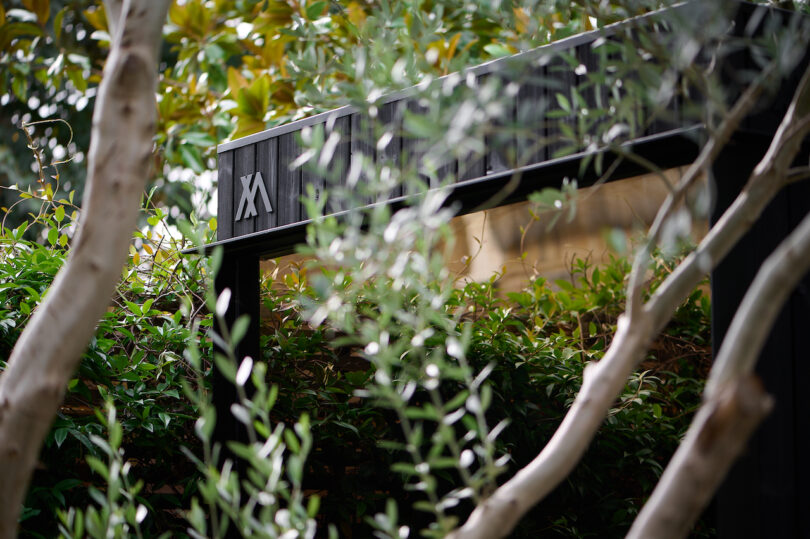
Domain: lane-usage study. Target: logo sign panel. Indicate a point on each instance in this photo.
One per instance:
(252, 184)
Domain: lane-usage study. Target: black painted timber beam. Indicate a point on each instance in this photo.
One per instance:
(677, 147)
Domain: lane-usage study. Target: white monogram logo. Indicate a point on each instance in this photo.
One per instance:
(247, 202)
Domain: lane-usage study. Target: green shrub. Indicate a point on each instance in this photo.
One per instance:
(136, 362)
(536, 343)
(533, 345)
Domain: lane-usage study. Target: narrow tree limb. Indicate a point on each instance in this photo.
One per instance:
(769, 176)
(48, 351)
(497, 515)
(708, 154)
(735, 401)
(113, 9)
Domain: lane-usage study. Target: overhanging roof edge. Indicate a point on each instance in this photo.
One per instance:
(671, 148)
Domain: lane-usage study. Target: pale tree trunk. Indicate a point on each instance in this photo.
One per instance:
(48, 351)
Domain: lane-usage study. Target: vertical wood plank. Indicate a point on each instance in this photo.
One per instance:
(532, 106)
(225, 194)
(244, 164)
(591, 88)
(267, 164)
(316, 181)
(289, 181)
(414, 148)
(362, 137)
(391, 127)
(625, 40)
(474, 166)
(759, 495)
(500, 140)
(447, 168)
(240, 274)
(339, 165)
(561, 79)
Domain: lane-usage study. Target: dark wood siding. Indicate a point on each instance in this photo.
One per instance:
(310, 180)
(267, 164)
(362, 142)
(244, 164)
(225, 196)
(339, 164)
(289, 181)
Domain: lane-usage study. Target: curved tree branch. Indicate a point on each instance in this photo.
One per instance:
(48, 351)
(708, 154)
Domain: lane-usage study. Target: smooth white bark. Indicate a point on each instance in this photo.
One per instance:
(48, 351)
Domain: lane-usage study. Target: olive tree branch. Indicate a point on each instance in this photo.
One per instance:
(735, 401)
(798, 174)
(708, 154)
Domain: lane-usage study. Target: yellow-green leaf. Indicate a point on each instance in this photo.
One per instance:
(235, 81)
(96, 17)
(57, 23)
(43, 10)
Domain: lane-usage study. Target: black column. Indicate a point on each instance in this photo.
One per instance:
(766, 492)
(240, 273)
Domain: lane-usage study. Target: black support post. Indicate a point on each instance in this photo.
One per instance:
(240, 273)
(765, 494)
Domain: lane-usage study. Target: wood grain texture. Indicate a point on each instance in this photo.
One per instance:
(289, 181)
(530, 109)
(591, 63)
(390, 127)
(561, 80)
(225, 190)
(244, 164)
(474, 166)
(339, 165)
(311, 181)
(416, 149)
(500, 138)
(362, 142)
(267, 164)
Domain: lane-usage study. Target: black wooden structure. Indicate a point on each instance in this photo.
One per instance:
(260, 214)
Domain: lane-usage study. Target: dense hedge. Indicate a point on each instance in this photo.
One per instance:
(537, 341)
